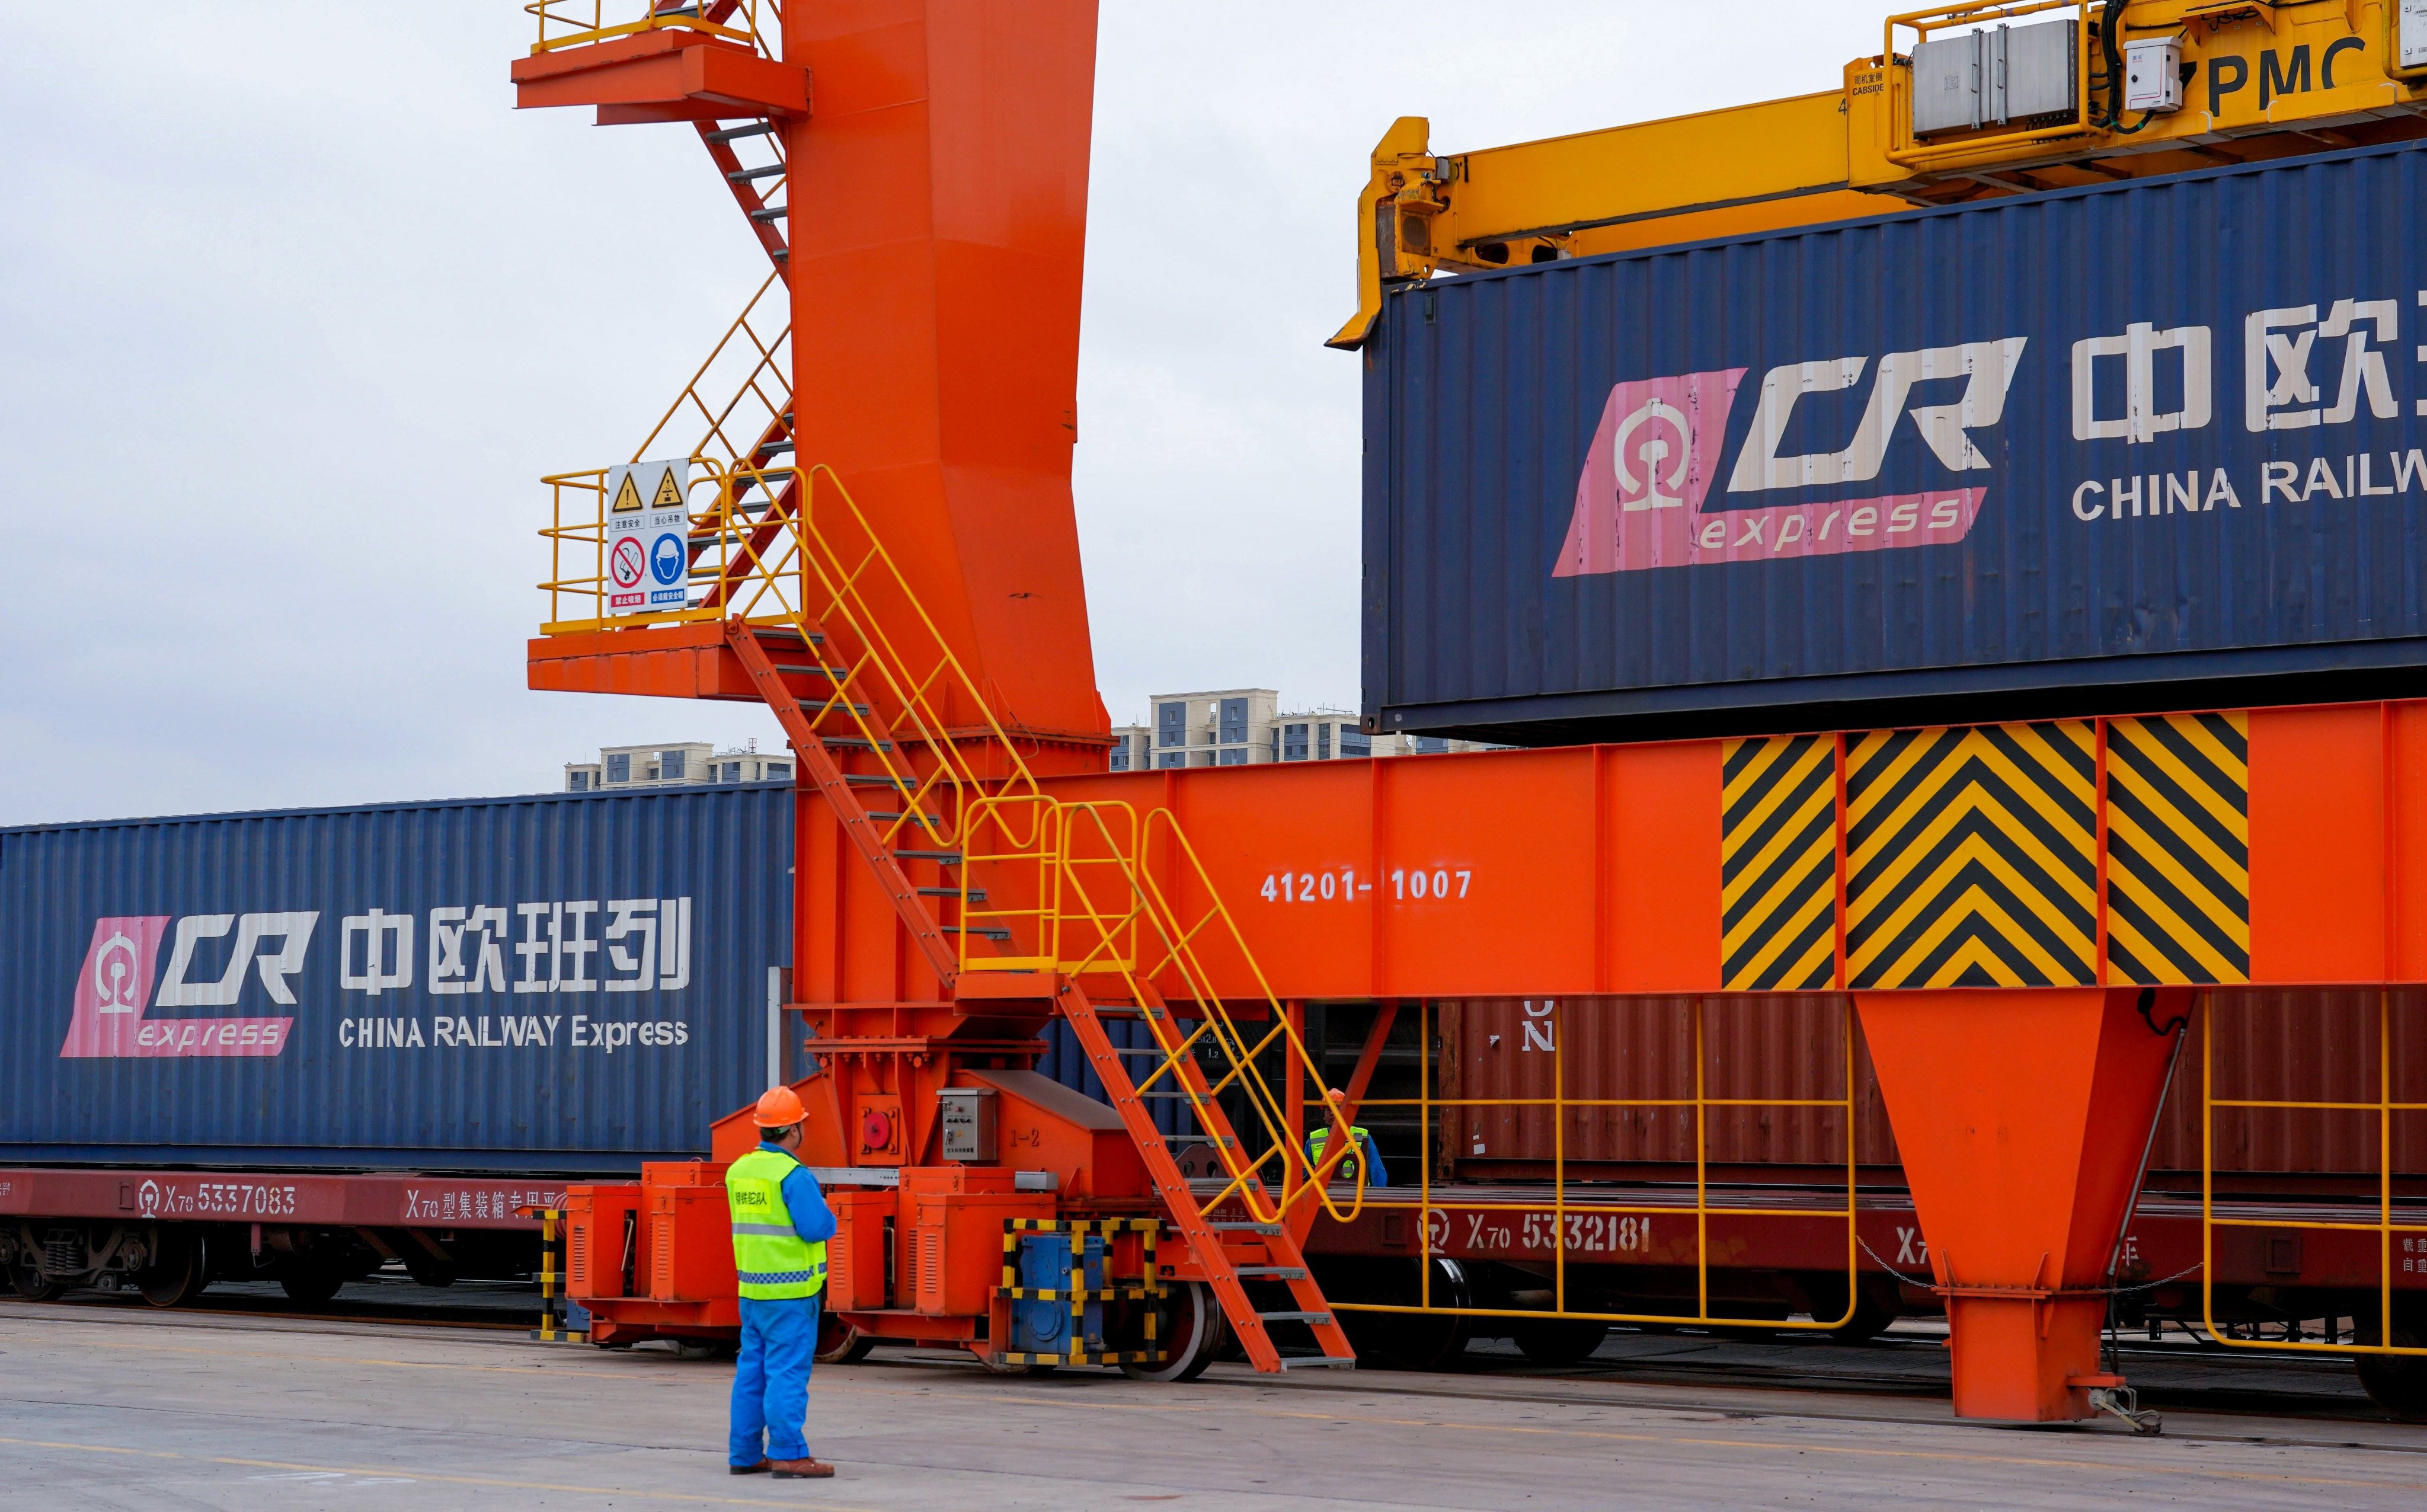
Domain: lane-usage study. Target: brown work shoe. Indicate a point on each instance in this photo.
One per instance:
(759, 1468)
(800, 1469)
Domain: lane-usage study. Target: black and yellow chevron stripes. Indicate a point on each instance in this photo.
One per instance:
(2178, 848)
(1778, 863)
(1972, 856)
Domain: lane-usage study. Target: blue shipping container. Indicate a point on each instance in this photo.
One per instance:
(2158, 444)
(554, 983)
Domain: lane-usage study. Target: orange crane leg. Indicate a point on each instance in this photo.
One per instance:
(2022, 1116)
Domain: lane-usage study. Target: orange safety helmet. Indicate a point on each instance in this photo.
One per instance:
(779, 1109)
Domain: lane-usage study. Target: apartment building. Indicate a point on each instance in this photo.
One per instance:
(674, 765)
(1246, 726)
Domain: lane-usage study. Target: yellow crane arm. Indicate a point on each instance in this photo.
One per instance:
(2253, 79)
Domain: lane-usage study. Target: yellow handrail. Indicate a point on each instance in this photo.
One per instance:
(2383, 1224)
(578, 23)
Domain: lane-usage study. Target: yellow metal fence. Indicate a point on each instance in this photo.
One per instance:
(1427, 1201)
(2385, 1225)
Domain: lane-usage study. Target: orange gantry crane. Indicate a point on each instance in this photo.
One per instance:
(872, 534)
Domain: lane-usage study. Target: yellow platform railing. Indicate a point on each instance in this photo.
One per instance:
(1565, 1219)
(758, 24)
(2384, 1224)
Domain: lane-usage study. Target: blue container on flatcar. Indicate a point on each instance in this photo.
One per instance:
(571, 984)
(2156, 445)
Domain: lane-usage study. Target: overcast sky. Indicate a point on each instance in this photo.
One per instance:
(294, 309)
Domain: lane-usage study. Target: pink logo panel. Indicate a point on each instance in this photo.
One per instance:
(1640, 500)
(113, 992)
(1653, 459)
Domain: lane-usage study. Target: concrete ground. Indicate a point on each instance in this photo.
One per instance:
(113, 1407)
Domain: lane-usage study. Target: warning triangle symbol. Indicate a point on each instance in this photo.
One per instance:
(669, 492)
(628, 498)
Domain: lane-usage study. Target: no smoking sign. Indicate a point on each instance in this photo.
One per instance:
(647, 526)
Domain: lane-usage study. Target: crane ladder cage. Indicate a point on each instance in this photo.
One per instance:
(758, 24)
(2388, 1222)
(1564, 1234)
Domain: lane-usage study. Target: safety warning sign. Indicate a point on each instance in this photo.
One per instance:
(648, 528)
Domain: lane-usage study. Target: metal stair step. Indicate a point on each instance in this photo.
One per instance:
(883, 817)
(983, 931)
(1237, 1227)
(1317, 1318)
(975, 895)
(808, 669)
(1273, 1273)
(756, 128)
(772, 212)
(771, 448)
(950, 858)
(748, 174)
(770, 638)
(852, 742)
(1313, 1362)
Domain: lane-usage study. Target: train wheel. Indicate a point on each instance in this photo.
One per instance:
(1552, 1342)
(311, 1285)
(1414, 1341)
(1191, 1330)
(1871, 1319)
(176, 1276)
(840, 1344)
(2397, 1383)
(1874, 1310)
(26, 1278)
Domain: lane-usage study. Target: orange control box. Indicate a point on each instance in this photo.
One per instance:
(602, 1239)
(954, 1217)
(691, 1243)
(855, 1271)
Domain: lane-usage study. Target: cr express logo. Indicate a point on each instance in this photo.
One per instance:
(1639, 501)
(114, 991)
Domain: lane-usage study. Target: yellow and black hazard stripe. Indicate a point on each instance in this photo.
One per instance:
(2178, 848)
(1971, 856)
(1778, 863)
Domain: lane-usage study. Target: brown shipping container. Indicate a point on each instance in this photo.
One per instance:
(1502, 1058)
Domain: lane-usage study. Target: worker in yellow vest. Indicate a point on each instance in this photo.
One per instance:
(1363, 1149)
(780, 1228)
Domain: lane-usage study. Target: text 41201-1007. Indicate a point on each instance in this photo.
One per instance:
(1341, 884)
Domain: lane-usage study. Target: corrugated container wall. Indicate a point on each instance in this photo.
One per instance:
(2296, 1045)
(543, 983)
(2159, 445)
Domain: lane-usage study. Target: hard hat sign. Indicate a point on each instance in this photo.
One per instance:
(647, 523)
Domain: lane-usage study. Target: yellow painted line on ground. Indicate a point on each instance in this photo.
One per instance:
(89, 1449)
(540, 1486)
(497, 1482)
(360, 1359)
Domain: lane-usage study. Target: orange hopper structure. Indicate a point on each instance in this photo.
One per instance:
(884, 551)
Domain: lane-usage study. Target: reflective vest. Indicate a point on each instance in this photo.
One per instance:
(772, 1261)
(1348, 1163)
